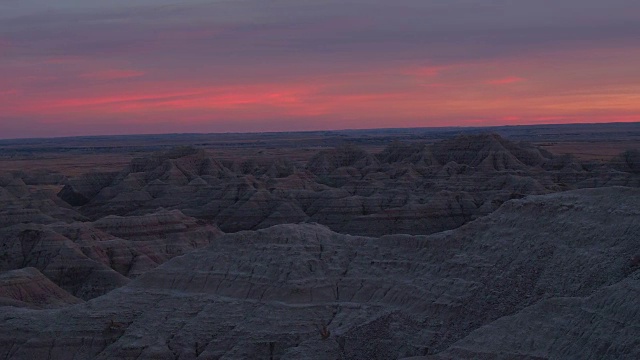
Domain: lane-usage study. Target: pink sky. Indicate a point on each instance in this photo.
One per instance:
(85, 68)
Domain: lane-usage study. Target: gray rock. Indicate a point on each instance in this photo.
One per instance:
(545, 276)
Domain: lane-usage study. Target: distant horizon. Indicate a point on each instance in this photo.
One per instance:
(89, 67)
(318, 130)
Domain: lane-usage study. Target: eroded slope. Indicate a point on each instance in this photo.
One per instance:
(485, 290)
(407, 188)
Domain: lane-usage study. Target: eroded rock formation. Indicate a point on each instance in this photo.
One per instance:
(532, 280)
(406, 188)
(472, 247)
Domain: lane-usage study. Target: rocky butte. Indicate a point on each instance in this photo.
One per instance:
(472, 247)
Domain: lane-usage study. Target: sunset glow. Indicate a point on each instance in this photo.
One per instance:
(83, 68)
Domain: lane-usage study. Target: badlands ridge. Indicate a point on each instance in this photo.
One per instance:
(472, 247)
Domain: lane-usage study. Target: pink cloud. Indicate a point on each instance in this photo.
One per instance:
(174, 96)
(9, 92)
(63, 60)
(428, 71)
(397, 95)
(438, 86)
(511, 119)
(506, 81)
(549, 119)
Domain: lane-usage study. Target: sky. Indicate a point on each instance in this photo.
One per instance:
(88, 67)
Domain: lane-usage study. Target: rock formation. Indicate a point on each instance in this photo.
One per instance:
(471, 247)
(407, 188)
(91, 259)
(542, 277)
(27, 287)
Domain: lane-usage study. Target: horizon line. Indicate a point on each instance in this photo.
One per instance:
(319, 130)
